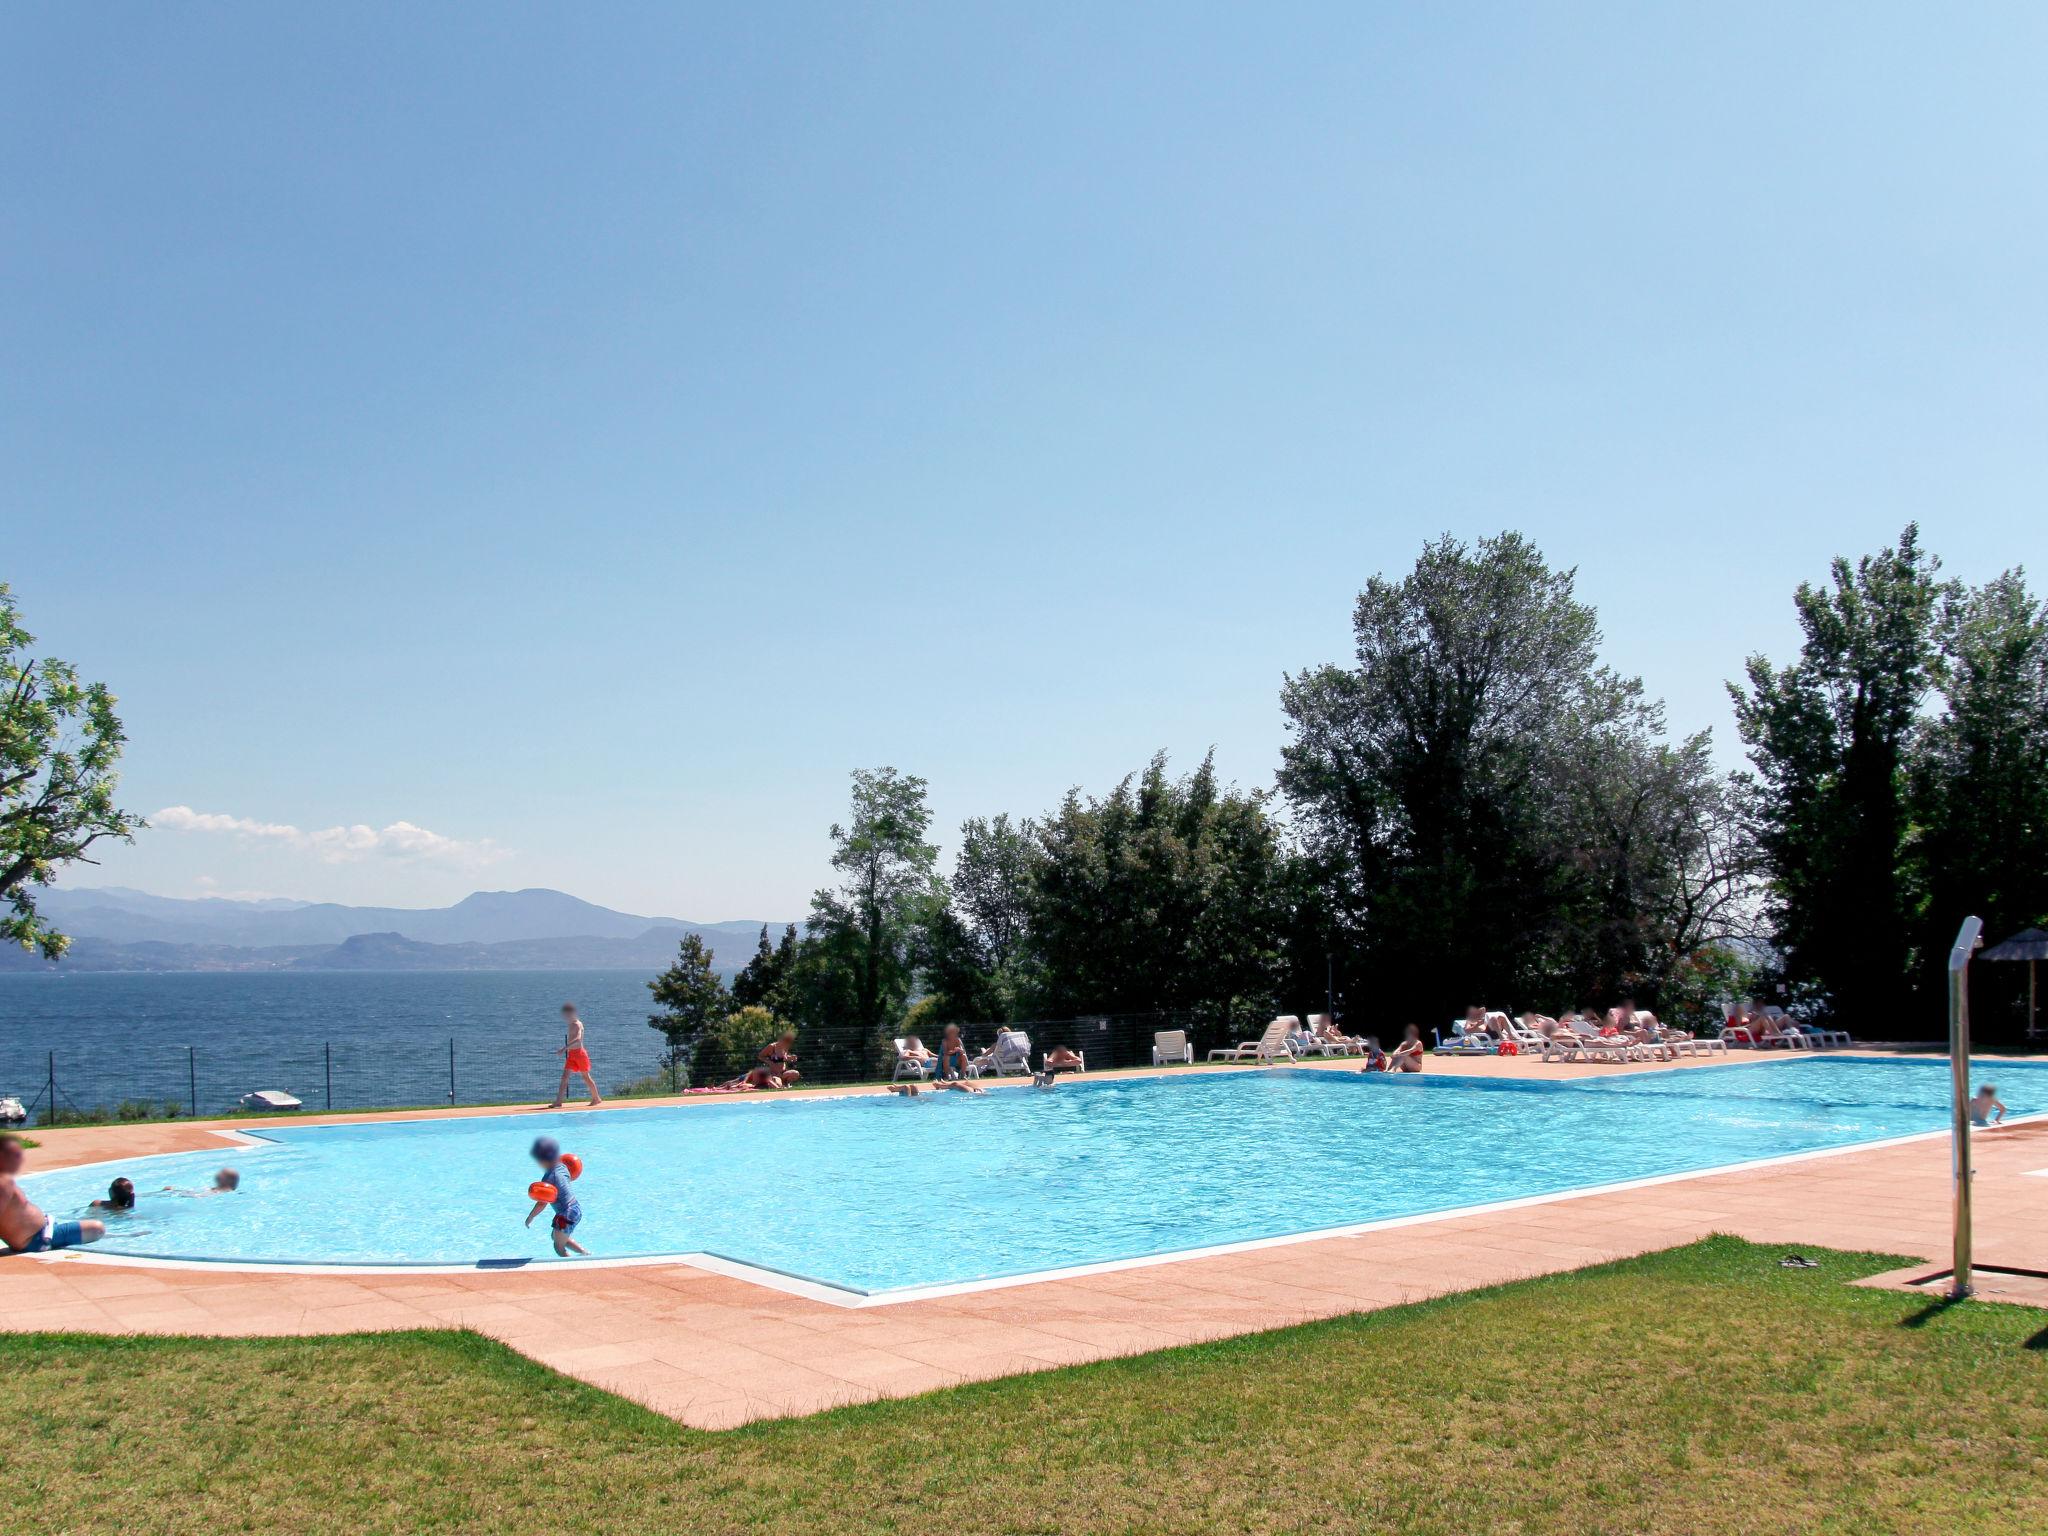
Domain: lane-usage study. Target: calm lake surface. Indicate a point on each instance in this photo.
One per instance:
(379, 1038)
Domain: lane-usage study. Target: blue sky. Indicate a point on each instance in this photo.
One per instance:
(583, 436)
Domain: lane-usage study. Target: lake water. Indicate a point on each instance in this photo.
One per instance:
(379, 1038)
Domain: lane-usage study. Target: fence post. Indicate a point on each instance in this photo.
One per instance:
(451, 1069)
(327, 1054)
(52, 1086)
(192, 1077)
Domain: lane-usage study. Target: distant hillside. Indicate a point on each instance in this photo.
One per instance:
(113, 929)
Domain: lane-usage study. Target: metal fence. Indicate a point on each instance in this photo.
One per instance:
(60, 1085)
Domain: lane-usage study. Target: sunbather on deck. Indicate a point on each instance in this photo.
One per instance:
(1407, 1056)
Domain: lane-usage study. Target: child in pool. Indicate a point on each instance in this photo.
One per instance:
(568, 1210)
(1985, 1110)
(120, 1199)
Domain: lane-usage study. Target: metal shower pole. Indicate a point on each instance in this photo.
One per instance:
(1968, 937)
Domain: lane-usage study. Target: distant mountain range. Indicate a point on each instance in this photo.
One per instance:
(114, 929)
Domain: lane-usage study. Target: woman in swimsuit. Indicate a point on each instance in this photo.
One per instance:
(779, 1059)
(1407, 1055)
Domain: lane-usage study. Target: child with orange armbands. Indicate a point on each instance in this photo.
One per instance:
(552, 1189)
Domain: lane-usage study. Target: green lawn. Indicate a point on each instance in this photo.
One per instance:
(1702, 1390)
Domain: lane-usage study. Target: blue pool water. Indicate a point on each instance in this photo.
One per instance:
(881, 1193)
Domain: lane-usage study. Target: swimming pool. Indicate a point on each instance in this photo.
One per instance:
(873, 1194)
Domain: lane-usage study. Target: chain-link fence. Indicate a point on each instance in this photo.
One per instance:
(75, 1085)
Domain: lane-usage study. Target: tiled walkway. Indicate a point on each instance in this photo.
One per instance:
(716, 1351)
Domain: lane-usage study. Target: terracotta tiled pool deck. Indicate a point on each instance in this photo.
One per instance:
(716, 1351)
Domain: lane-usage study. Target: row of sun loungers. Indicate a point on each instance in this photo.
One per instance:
(1010, 1056)
(1286, 1040)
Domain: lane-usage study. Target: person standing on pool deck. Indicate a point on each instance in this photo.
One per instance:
(568, 1209)
(23, 1226)
(575, 1059)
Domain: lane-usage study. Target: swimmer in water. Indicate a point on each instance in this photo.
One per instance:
(120, 1199)
(225, 1182)
(1985, 1110)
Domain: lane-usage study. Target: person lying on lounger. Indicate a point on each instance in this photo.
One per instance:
(1407, 1056)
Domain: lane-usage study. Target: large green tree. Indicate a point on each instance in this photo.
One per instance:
(973, 955)
(858, 969)
(1426, 777)
(1163, 895)
(1831, 738)
(59, 742)
(1980, 781)
(690, 998)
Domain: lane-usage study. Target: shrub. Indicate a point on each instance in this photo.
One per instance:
(728, 1047)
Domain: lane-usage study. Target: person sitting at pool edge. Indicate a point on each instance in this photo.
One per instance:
(120, 1198)
(568, 1209)
(1985, 1110)
(952, 1055)
(1407, 1056)
(23, 1226)
(779, 1059)
(1376, 1060)
(1060, 1059)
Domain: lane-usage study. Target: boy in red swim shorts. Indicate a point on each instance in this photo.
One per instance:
(575, 1059)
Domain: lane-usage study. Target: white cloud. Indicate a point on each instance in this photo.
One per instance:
(336, 845)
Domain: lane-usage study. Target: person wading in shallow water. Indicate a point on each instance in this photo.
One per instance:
(575, 1059)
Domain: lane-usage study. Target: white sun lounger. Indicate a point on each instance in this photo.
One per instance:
(1171, 1045)
(1270, 1046)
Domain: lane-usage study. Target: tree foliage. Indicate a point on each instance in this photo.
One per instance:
(764, 981)
(1165, 894)
(1980, 788)
(690, 998)
(861, 964)
(59, 742)
(1831, 738)
(1494, 816)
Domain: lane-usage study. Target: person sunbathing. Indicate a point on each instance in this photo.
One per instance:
(1407, 1056)
(1328, 1032)
(915, 1049)
(1060, 1059)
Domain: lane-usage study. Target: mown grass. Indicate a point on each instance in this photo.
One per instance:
(1704, 1390)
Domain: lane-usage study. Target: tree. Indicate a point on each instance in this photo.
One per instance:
(764, 978)
(59, 741)
(691, 999)
(971, 953)
(1980, 778)
(1487, 814)
(1831, 738)
(865, 925)
(1164, 895)
(1657, 867)
(1426, 778)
